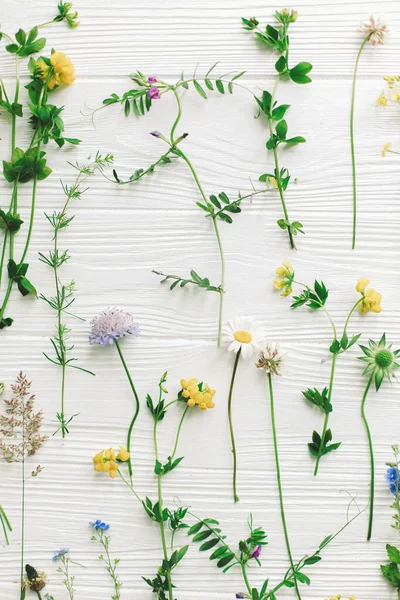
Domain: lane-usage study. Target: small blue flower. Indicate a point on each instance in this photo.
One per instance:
(100, 525)
(239, 595)
(392, 475)
(62, 552)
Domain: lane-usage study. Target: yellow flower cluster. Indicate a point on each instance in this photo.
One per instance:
(371, 299)
(60, 70)
(285, 279)
(339, 597)
(106, 460)
(195, 393)
(393, 82)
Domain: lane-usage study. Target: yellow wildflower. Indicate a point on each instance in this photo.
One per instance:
(285, 279)
(106, 460)
(362, 284)
(195, 393)
(386, 148)
(60, 70)
(273, 182)
(382, 100)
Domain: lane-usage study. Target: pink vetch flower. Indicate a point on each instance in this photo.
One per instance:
(111, 325)
(152, 79)
(256, 552)
(375, 29)
(153, 93)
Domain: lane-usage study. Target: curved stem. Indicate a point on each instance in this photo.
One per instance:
(16, 97)
(351, 312)
(3, 254)
(178, 117)
(130, 486)
(278, 477)
(353, 153)
(179, 432)
(371, 455)
(128, 443)
(160, 507)
(235, 365)
(325, 426)
(221, 252)
(245, 578)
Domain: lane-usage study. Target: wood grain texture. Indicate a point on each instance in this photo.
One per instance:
(121, 233)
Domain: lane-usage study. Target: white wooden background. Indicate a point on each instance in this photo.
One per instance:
(121, 233)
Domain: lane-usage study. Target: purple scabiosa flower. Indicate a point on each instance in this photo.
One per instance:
(152, 79)
(256, 552)
(153, 93)
(111, 325)
(100, 525)
(62, 552)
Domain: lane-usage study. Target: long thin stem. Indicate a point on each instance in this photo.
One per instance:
(5, 524)
(235, 366)
(245, 578)
(325, 426)
(179, 432)
(160, 507)
(278, 477)
(353, 153)
(278, 171)
(22, 591)
(371, 456)
(132, 423)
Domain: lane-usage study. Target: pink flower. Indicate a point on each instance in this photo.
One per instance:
(152, 79)
(256, 552)
(154, 93)
(374, 29)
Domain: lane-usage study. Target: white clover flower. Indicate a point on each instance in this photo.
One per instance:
(270, 359)
(375, 29)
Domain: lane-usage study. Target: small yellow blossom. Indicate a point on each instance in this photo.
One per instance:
(60, 70)
(196, 393)
(396, 96)
(106, 460)
(386, 148)
(382, 100)
(362, 284)
(273, 182)
(285, 279)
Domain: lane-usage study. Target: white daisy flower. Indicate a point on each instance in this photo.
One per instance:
(242, 334)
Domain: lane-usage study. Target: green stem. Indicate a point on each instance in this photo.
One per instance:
(179, 432)
(235, 365)
(351, 312)
(22, 591)
(325, 426)
(371, 455)
(130, 486)
(278, 171)
(128, 443)
(160, 506)
(278, 477)
(3, 254)
(5, 523)
(353, 154)
(245, 578)
(16, 97)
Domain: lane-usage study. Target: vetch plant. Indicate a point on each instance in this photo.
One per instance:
(108, 328)
(381, 363)
(269, 361)
(193, 394)
(216, 207)
(30, 165)
(391, 571)
(243, 337)
(276, 38)
(373, 31)
(64, 296)
(315, 298)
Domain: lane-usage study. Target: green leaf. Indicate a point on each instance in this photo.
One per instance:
(335, 347)
(36, 46)
(215, 201)
(199, 89)
(295, 140)
(12, 48)
(299, 73)
(391, 573)
(220, 86)
(208, 84)
(209, 544)
(195, 528)
(203, 535)
(34, 32)
(20, 36)
(281, 64)
(393, 554)
(225, 560)
(281, 129)
(279, 112)
(26, 287)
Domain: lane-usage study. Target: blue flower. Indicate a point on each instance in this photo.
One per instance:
(62, 552)
(239, 595)
(392, 475)
(100, 525)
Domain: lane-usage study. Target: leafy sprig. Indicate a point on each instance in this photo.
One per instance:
(195, 279)
(64, 297)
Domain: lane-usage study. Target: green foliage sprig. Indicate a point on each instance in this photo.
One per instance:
(64, 296)
(315, 298)
(30, 164)
(111, 564)
(139, 101)
(276, 38)
(202, 282)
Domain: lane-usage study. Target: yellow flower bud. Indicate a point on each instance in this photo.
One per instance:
(185, 394)
(123, 454)
(191, 402)
(279, 284)
(184, 383)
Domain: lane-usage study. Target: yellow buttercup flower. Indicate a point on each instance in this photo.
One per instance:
(195, 393)
(371, 299)
(106, 460)
(285, 279)
(60, 70)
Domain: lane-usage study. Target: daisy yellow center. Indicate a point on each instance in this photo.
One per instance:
(243, 337)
